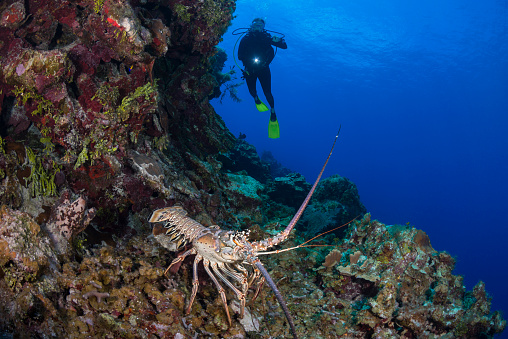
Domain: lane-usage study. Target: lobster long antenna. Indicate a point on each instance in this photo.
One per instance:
(275, 290)
(298, 214)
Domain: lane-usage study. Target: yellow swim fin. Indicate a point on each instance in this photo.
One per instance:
(273, 129)
(261, 105)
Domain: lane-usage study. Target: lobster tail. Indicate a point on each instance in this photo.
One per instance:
(177, 229)
(275, 290)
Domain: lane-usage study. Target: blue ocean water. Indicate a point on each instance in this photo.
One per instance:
(421, 91)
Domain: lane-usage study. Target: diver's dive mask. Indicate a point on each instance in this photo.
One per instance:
(258, 25)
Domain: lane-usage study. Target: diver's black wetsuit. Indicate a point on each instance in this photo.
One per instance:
(256, 53)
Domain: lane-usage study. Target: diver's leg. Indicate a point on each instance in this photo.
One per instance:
(265, 79)
(251, 85)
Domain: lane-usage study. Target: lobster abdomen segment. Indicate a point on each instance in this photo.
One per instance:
(176, 229)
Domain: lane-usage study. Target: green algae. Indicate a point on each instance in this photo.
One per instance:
(107, 95)
(101, 148)
(129, 102)
(161, 143)
(82, 157)
(98, 5)
(101, 140)
(25, 94)
(181, 11)
(48, 145)
(41, 182)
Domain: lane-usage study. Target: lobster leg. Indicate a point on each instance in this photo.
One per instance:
(253, 277)
(206, 264)
(258, 288)
(260, 281)
(240, 268)
(195, 281)
(239, 295)
(243, 280)
(179, 259)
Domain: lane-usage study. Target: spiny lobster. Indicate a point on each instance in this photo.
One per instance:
(224, 253)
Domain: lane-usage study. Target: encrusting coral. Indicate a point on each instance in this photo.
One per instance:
(395, 284)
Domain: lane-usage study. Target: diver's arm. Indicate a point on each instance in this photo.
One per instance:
(278, 42)
(241, 50)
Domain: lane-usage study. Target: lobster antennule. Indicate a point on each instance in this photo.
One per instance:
(275, 290)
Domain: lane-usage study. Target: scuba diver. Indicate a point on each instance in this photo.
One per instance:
(256, 53)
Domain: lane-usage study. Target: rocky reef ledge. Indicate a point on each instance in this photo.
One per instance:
(105, 117)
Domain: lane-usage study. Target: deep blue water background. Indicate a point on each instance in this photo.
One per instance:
(421, 91)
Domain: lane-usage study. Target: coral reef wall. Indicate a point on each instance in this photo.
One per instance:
(110, 98)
